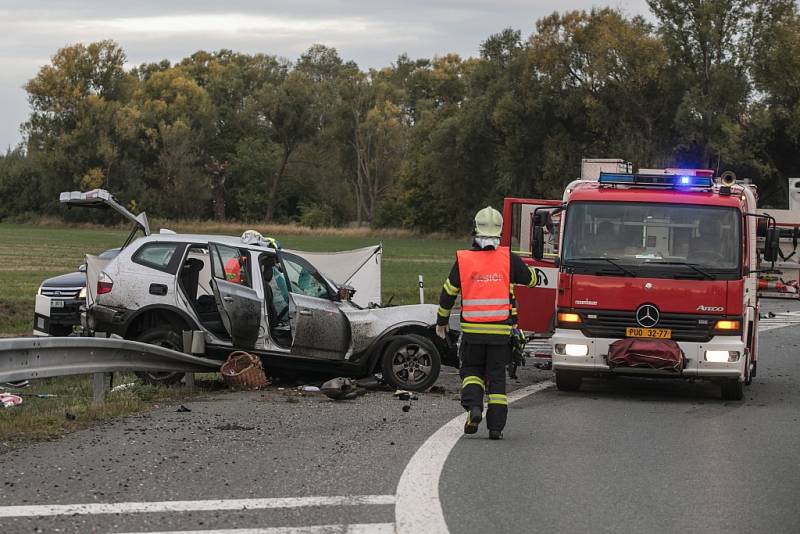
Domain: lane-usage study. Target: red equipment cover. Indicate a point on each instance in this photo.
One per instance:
(652, 353)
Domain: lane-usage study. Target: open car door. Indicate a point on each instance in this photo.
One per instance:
(319, 327)
(238, 303)
(536, 305)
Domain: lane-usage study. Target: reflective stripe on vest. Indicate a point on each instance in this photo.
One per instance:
(485, 281)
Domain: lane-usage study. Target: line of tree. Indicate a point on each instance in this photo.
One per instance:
(421, 143)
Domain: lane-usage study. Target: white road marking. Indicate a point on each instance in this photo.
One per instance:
(418, 508)
(364, 528)
(780, 320)
(191, 506)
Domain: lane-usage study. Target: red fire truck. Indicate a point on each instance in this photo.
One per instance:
(653, 273)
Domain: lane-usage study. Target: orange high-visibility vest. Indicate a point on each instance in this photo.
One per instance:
(485, 282)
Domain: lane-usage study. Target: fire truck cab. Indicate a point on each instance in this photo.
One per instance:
(667, 257)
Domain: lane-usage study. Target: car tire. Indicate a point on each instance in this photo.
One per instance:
(568, 380)
(169, 339)
(732, 389)
(410, 362)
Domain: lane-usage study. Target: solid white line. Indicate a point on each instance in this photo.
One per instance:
(191, 506)
(418, 508)
(364, 528)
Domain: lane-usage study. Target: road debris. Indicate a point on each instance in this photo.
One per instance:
(183, 408)
(370, 383)
(342, 389)
(9, 401)
(404, 395)
(18, 384)
(406, 407)
(309, 389)
(122, 387)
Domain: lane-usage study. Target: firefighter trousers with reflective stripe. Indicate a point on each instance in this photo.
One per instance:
(483, 371)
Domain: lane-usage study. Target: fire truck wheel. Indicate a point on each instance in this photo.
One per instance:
(568, 380)
(732, 389)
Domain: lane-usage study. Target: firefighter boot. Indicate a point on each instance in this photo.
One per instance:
(474, 417)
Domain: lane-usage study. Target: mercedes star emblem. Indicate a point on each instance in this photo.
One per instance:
(647, 315)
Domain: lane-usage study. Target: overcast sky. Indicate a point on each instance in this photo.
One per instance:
(372, 33)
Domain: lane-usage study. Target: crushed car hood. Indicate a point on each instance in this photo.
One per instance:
(367, 325)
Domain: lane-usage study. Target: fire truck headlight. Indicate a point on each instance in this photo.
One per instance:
(82, 294)
(720, 356)
(570, 349)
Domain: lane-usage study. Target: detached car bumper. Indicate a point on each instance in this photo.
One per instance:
(573, 351)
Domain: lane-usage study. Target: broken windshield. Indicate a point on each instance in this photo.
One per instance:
(653, 239)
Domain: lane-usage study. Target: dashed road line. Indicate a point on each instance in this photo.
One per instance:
(418, 508)
(46, 510)
(363, 528)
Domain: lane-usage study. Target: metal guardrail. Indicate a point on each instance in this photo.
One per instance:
(43, 357)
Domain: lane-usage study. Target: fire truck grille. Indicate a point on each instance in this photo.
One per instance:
(695, 328)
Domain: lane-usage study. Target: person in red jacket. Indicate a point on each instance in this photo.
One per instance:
(485, 277)
(233, 271)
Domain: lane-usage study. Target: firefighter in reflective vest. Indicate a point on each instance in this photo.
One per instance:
(485, 277)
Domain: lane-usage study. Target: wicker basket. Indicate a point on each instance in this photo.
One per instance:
(243, 370)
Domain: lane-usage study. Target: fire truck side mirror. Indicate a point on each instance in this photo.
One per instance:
(771, 244)
(537, 242)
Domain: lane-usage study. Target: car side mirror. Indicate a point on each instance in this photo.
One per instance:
(771, 244)
(346, 293)
(82, 268)
(537, 243)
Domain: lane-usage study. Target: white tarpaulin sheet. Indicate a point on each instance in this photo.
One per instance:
(360, 269)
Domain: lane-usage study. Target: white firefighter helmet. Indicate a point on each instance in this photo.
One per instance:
(488, 223)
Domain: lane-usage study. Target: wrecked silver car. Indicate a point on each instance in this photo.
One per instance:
(248, 294)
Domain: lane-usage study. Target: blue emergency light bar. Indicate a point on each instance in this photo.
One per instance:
(655, 180)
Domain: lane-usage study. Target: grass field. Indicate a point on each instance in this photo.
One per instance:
(30, 254)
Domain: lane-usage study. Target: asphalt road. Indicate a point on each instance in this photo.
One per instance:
(245, 445)
(640, 456)
(622, 456)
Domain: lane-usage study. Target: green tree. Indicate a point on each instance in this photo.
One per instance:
(286, 115)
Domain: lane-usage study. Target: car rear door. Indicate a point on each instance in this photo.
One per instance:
(238, 303)
(319, 327)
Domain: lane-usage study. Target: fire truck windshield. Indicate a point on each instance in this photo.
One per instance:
(649, 239)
